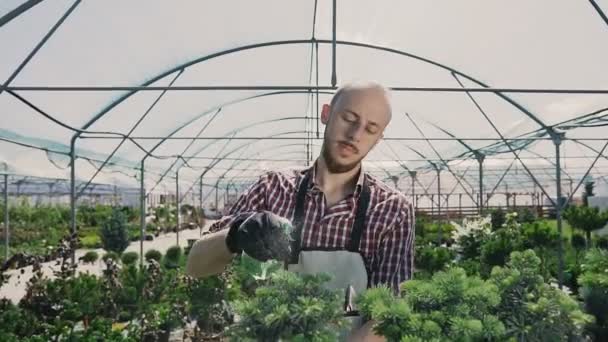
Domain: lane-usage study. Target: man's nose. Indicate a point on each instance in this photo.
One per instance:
(356, 132)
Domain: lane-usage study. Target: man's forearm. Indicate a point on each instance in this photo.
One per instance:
(209, 255)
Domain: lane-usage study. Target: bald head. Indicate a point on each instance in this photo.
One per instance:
(372, 91)
(355, 119)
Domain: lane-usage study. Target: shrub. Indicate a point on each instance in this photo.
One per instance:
(448, 307)
(110, 255)
(498, 218)
(532, 309)
(432, 259)
(153, 254)
(91, 241)
(114, 233)
(594, 291)
(90, 257)
(496, 249)
(129, 258)
(290, 308)
(173, 257)
(586, 219)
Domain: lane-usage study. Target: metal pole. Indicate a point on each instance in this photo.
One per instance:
(439, 193)
(413, 176)
(334, 78)
(480, 159)
(557, 140)
(6, 215)
(460, 204)
(177, 206)
(200, 193)
(217, 209)
(73, 190)
(142, 220)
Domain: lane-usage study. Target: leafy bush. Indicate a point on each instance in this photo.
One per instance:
(129, 258)
(450, 306)
(289, 307)
(110, 255)
(90, 257)
(531, 309)
(173, 257)
(602, 242)
(470, 235)
(586, 219)
(594, 291)
(91, 241)
(432, 259)
(153, 254)
(526, 215)
(496, 250)
(114, 234)
(209, 304)
(499, 218)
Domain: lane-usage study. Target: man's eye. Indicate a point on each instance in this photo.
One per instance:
(349, 117)
(371, 129)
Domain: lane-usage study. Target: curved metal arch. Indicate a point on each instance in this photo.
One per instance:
(308, 41)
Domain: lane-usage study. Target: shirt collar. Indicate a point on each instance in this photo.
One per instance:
(313, 169)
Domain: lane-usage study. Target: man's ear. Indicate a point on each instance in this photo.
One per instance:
(325, 114)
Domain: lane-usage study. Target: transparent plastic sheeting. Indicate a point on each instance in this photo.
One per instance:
(228, 137)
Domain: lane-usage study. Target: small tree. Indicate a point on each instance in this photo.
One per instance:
(114, 232)
(586, 219)
(588, 192)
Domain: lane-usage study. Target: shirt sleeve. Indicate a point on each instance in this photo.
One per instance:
(395, 254)
(251, 201)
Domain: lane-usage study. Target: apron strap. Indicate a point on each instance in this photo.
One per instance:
(298, 221)
(355, 235)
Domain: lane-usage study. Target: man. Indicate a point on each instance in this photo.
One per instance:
(347, 223)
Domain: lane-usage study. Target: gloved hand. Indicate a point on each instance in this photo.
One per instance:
(262, 236)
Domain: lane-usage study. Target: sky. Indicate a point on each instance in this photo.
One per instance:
(505, 44)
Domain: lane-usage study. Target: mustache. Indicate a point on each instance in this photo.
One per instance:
(349, 144)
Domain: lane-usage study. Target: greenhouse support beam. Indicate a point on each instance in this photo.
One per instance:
(480, 158)
(334, 78)
(38, 46)
(547, 129)
(413, 176)
(6, 216)
(177, 206)
(73, 190)
(599, 11)
(200, 192)
(572, 192)
(439, 199)
(142, 213)
(18, 11)
(557, 140)
(309, 88)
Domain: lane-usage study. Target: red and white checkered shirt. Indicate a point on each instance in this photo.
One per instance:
(387, 242)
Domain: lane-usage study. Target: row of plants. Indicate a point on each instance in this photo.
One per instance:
(37, 229)
(476, 280)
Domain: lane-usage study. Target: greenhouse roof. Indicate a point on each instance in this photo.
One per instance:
(227, 90)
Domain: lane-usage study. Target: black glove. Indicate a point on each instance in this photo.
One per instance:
(262, 236)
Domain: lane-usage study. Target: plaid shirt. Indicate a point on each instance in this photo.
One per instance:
(387, 242)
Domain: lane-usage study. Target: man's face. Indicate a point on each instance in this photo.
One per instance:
(356, 123)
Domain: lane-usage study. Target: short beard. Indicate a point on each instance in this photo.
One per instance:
(332, 165)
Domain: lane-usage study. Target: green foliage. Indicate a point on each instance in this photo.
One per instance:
(496, 249)
(526, 215)
(586, 219)
(499, 218)
(432, 259)
(153, 254)
(129, 258)
(450, 306)
(114, 235)
(594, 291)
(531, 309)
(289, 307)
(602, 242)
(90, 257)
(173, 257)
(110, 256)
(578, 241)
(91, 241)
(209, 304)
(589, 185)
